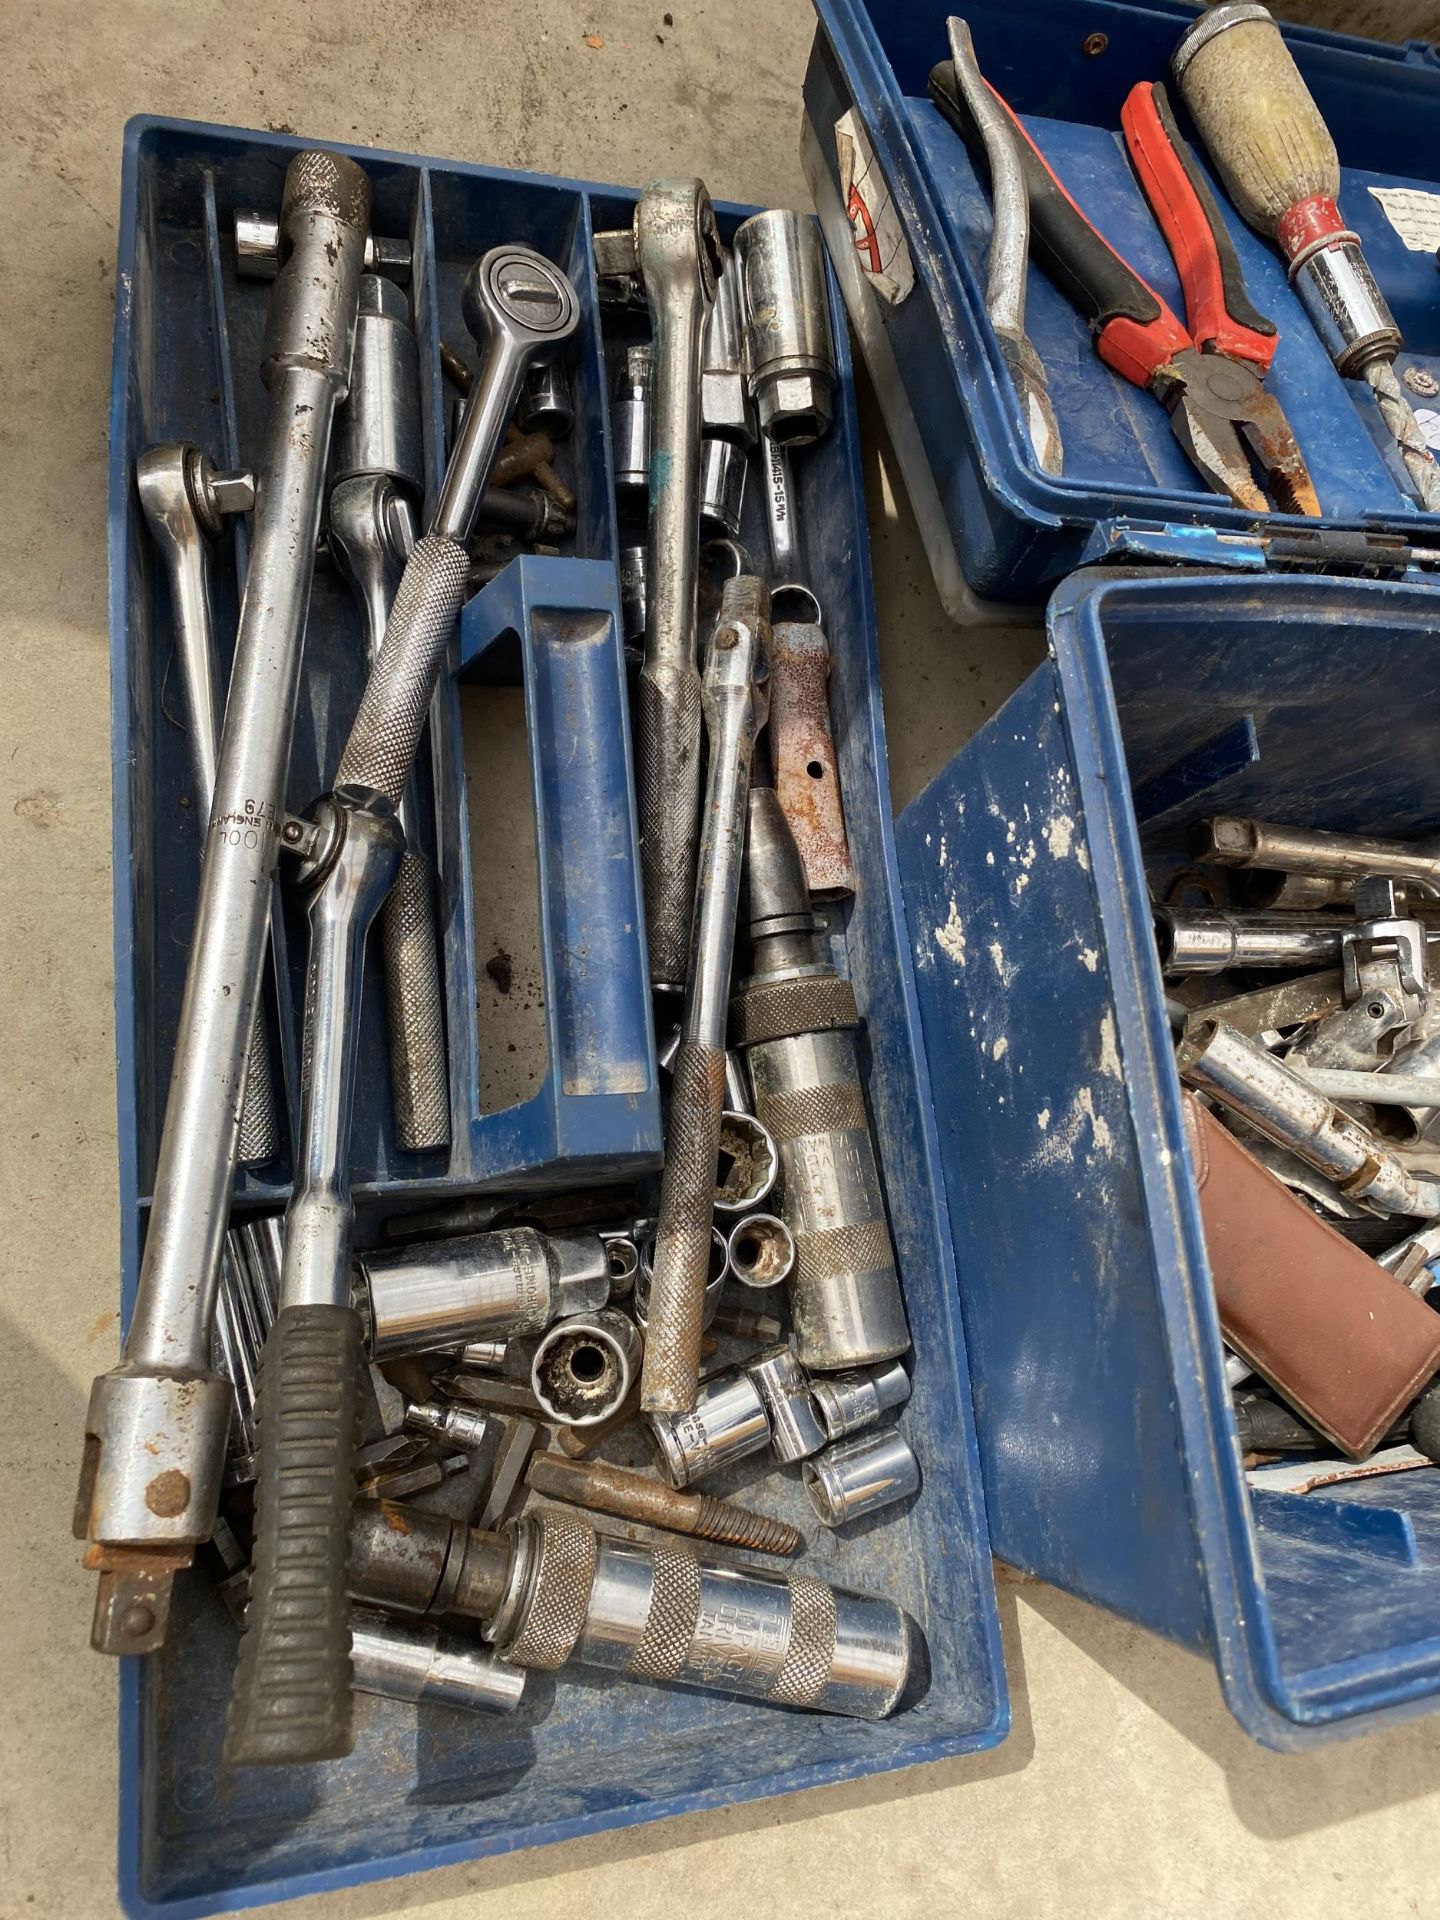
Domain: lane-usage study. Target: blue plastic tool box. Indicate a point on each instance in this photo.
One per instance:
(584, 1753)
(1110, 1455)
(985, 508)
(1111, 1460)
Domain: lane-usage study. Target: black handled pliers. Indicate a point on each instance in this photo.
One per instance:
(1209, 375)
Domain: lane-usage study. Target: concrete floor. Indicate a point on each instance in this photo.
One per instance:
(1125, 1786)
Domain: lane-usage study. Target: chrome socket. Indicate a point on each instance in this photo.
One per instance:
(728, 1421)
(584, 1367)
(850, 1402)
(789, 353)
(748, 1163)
(485, 1286)
(630, 419)
(762, 1251)
(861, 1476)
(796, 1430)
(403, 1661)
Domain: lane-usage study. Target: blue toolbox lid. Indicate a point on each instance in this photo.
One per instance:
(1128, 489)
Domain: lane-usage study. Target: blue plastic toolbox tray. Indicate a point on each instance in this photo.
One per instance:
(583, 1754)
(1112, 1465)
(984, 506)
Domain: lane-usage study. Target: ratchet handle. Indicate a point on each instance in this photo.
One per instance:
(292, 1698)
(386, 734)
(1135, 331)
(414, 1009)
(1217, 306)
(667, 778)
(674, 1327)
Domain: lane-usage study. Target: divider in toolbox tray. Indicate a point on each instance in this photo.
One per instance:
(198, 329)
(1124, 469)
(585, 1752)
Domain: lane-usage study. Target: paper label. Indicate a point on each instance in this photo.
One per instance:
(1414, 215)
(1302, 1476)
(1428, 422)
(879, 236)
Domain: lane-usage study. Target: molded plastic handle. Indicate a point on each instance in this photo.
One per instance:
(565, 614)
(1135, 330)
(1217, 306)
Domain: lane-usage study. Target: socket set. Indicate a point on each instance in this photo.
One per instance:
(641, 1400)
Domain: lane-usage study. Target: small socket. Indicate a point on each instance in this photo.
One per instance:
(585, 1367)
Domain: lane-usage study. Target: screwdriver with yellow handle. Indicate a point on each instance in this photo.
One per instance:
(1278, 161)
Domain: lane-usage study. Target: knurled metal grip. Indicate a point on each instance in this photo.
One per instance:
(779, 1009)
(832, 1109)
(381, 749)
(324, 216)
(661, 1613)
(414, 1010)
(681, 1264)
(674, 1608)
(667, 783)
(805, 1671)
(543, 1615)
(292, 1700)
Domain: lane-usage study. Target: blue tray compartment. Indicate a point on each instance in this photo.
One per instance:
(423, 1787)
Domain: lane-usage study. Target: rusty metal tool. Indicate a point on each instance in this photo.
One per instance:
(734, 712)
(802, 746)
(650, 1503)
(156, 1425)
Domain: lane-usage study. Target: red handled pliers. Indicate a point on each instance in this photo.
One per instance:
(1208, 376)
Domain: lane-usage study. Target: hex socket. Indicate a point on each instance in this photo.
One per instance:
(789, 353)
(482, 1286)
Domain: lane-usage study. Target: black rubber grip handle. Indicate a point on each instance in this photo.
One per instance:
(292, 1699)
(1425, 1424)
(1083, 265)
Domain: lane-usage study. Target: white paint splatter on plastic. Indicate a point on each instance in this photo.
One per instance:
(951, 937)
(1109, 1051)
(1084, 1129)
(1005, 969)
(1000, 1048)
(1059, 835)
(1089, 959)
